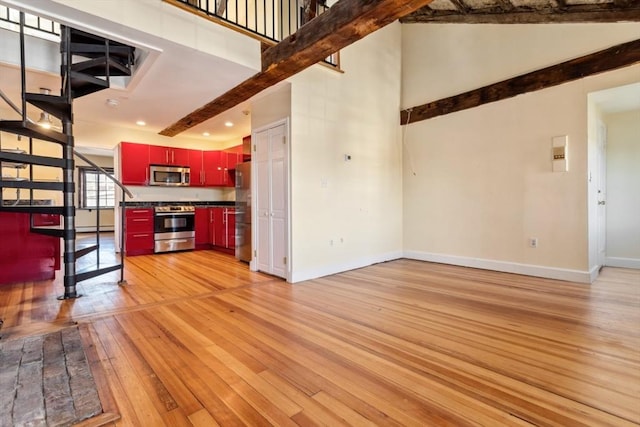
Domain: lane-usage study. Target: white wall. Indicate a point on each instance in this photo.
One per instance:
(478, 183)
(356, 204)
(103, 136)
(271, 105)
(623, 189)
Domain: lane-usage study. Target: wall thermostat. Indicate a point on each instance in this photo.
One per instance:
(559, 153)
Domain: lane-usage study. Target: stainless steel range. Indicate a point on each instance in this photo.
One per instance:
(174, 228)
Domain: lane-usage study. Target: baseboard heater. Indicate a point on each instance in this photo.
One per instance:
(93, 229)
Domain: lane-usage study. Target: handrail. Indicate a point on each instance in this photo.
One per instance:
(270, 21)
(124, 191)
(11, 104)
(115, 181)
(75, 152)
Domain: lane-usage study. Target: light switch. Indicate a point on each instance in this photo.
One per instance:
(560, 153)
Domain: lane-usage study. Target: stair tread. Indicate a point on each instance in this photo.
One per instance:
(19, 157)
(123, 53)
(32, 130)
(55, 105)
(85, 249)
(96, 67)
(85, 84)
(35, 184)
(80, 36)
(38, 209)
(96, 270)
(48, 227)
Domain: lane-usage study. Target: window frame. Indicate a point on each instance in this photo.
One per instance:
(82, 190)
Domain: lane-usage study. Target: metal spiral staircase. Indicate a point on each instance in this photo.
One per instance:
(87, 64)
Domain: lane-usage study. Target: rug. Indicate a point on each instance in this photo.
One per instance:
(46, 381)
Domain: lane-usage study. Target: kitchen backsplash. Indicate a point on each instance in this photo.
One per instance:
(180, 194)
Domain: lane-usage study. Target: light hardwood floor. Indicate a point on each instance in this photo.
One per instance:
(197, 339)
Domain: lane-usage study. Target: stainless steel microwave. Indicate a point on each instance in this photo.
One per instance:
(172, 176)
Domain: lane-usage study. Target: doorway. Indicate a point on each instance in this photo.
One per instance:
(271, 206)
(601, 190)
(614, 202)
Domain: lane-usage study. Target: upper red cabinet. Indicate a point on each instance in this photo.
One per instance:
(168, 156)
(195, 165)
(208, 168)
(134, 163)
(233, 158)
(212, 168)
(246, 149)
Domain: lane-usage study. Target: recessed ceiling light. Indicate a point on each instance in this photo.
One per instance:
(228, 124)
(205, 134)
(141, 123)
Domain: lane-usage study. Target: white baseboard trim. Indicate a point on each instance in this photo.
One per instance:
(300, 276)
(594, 272)
(622, 262)
(504, 266)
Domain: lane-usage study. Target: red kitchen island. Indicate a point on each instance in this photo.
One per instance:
(27, 256)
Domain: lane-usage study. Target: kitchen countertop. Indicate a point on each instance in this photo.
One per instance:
(196, 203)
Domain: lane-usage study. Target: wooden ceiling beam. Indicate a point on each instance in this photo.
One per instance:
(344, 23)
(462, 8)
(619, 11)
(618, 56)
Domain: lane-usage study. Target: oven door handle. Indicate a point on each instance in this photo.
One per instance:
(174, 213)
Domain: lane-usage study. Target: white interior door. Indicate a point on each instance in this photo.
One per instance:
(262, 201)
(271, 166)
(278, 163)
(602, 194)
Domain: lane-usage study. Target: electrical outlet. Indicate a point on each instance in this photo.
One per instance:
(533, 242)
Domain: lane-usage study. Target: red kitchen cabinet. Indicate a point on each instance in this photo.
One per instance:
(195, 165)
(233, 157)
(212, 167)
(245, 149)
(222, 229)
(139, 231)
(216, 227)
(40, 220)
(134, 163)
(159, 155)
(230, 168)
(27, 256)
(231, 228)
(202, 220)
(218, 167)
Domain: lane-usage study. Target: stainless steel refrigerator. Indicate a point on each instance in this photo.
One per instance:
(243, 211)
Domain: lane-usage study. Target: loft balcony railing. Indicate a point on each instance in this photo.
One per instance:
(33, 25)
(270, 20)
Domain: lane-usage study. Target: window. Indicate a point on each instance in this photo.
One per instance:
(93, 184)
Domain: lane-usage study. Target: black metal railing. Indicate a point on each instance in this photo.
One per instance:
(125, 192)
(10, 20)
(273, 20)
